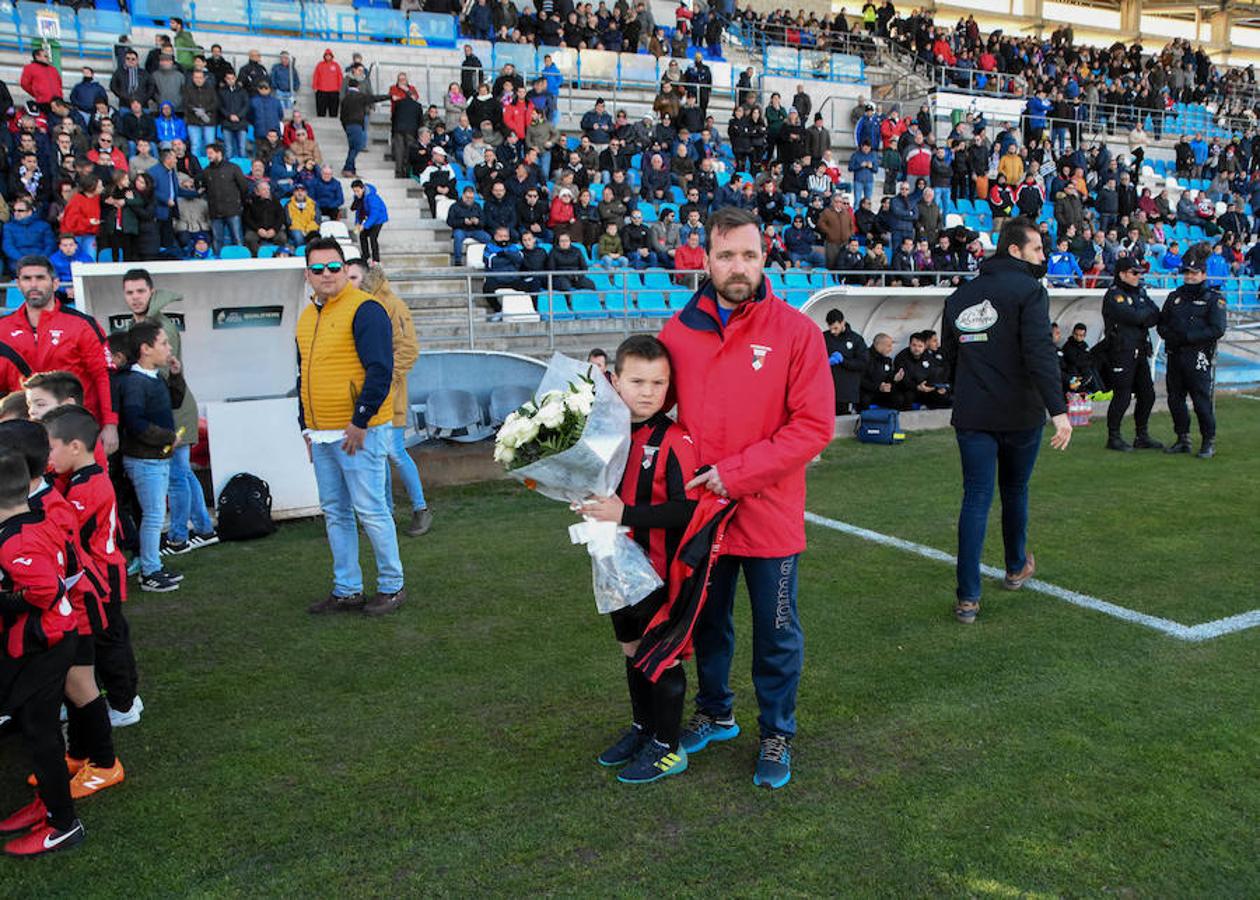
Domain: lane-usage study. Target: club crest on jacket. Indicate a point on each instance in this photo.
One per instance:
(759, 355)
(980, 317)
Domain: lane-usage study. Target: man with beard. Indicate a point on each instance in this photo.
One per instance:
(754, 392)
(49, 337)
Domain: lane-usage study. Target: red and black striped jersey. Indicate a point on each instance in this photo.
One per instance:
(662, 460)
(85, 592)
(91, 495)
(33, 565)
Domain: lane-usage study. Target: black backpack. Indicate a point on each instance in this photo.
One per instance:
(245, 508)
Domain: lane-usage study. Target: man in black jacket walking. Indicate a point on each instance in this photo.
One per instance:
(354, 109)
(1128, 316)
(1004, 368)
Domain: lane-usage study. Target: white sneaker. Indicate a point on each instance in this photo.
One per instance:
(130, 717)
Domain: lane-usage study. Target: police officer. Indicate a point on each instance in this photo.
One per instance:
(1128, 314)
(1191, 322)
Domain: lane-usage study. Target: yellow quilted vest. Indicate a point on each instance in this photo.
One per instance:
(332, 375)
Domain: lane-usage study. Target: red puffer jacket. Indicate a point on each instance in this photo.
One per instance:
(757, 398)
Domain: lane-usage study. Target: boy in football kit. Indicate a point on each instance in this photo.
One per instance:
(90, 757)
(115, 662)
(37, 626)
(654, 503)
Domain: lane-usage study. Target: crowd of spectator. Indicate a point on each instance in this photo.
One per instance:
(625, 28)
(179, 155)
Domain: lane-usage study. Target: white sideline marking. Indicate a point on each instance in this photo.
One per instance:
(1203, 632)
(1247, 396)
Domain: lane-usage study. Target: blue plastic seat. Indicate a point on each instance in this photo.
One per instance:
(654, 303)
(266, 251)
(586, 305)
(13, 297)
(234, 251)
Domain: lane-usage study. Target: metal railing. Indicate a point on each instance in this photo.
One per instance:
(544, 305)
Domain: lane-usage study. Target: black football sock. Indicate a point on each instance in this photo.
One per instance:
(668, 695)
(75, 748)
(640, 697)
(98, 734)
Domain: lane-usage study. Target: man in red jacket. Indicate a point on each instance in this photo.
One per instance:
(41, 79)
(48, 337)
(755, 392)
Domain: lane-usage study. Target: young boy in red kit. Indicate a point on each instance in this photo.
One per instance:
(115, 663)
(72, 432)
(654, 503)
(38, 630)
(90, 755)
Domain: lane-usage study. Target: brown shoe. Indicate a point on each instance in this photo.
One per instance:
(384, 603)
(1016, 581)
(333, 603)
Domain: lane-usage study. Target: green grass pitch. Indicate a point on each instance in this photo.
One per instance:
(449, 749)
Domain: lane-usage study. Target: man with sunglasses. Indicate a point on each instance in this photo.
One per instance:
(345, 337)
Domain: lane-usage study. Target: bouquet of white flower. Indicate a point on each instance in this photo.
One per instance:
(572, 442)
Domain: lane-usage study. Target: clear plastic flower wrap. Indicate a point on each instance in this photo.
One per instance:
(570, 397)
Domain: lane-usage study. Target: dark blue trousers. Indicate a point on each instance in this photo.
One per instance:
(778, 642)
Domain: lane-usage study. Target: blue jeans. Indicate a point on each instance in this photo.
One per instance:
(356, 139)
(199, 136)
(350, 488)
(460, 234)
(286, 100)
(399, 456)
(187, 499)
(944, 199)
(150, 478)
(233, 143)
(778, 642)
(813, 259)
(863, 187)
(1010, 455)
(232, 225)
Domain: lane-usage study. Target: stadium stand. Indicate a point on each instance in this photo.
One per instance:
(1174, 130)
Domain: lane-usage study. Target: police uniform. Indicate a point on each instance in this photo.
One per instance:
(1128, 315)
(1191, 322)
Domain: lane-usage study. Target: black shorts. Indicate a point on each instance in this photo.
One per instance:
(34, 674)
(85, 650)
(630, 623)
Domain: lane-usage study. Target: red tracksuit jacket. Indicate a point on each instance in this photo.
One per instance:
(89, 610)
(91, 495)
(757, 398)
(32, 562)
(67, 340)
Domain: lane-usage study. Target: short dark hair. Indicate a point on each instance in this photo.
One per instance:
(32, 259)
(72, 423)
(15, 478)
(13, 406)
(119, 342)
(1080, 326)
(62, 385)
(1015, 232)
(640, 346)
(142, 334)
(728, 218)
(29, 439)
(597, 351)
(138, 275)
(325, 243)
(357, 262)
(834, 316)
